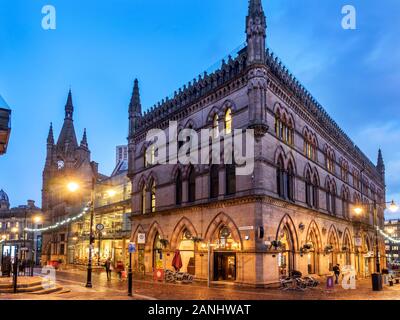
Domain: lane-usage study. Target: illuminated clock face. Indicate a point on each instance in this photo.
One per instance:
(60, 164)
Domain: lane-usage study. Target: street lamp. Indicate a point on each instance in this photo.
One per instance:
(358, 210)
(74, 187)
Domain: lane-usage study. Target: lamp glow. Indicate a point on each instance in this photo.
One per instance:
(73, 186)
(358, 210)
(111, 193)
(393, 207)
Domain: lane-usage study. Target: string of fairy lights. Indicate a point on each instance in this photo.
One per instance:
(391, 239)
(85, 210)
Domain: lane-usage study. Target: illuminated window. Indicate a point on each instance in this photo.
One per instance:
(284, 129)
(228, 121)
(330, 160)
(153, 197)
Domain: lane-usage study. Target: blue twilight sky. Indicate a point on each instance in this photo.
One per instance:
(99, 47)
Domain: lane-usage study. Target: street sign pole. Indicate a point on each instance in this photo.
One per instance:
(130, 276)
(131, 249)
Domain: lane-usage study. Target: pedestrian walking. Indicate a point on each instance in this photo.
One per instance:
(120, 269)
(336, 270)
(107, 265)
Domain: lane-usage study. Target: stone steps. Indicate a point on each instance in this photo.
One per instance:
(34, 285)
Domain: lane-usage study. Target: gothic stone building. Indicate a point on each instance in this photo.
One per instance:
(66, 161)
(295, 212)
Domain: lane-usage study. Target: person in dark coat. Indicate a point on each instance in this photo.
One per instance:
(107, 265)
(336, 270)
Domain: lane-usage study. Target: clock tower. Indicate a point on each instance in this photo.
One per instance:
(66, 161)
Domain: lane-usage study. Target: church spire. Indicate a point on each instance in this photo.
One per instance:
(135, 106)
(84, 143)
(50, 137)
(67, 138)
(256, 26)
(69, 107)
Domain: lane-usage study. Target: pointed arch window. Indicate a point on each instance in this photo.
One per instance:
(192, 185)
(178, 188)
(214, 181)
(284, 128)
(153, 197)
(310, 146)
(228, 121)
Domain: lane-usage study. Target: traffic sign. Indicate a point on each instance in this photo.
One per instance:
(100, 227)
(131, 247)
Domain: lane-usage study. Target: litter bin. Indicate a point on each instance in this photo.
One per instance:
(376, 282)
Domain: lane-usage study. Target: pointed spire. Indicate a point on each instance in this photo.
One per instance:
(256, 26)
(84, 142)
(135, 105)
(50, 137)
(67, 138)
(380, 163)
(69, 107)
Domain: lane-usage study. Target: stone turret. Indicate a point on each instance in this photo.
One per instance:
(256, 32)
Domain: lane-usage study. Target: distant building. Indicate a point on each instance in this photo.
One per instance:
(5, 125)
(121, 154)
(13, 221)
(392, 228)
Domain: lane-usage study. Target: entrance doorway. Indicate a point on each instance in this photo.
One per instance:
(224, 266)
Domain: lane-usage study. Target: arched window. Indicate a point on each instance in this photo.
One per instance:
(153, 197)
(290, 182)
(215, 126)
(214, 181)
(280, 181)
(308, 189)
(330, 160)
(310, 146)
(149, 155)
(284, 128)
(228, 121)
(230, 175)
(192, 185)
(144, 191)
(178, 188)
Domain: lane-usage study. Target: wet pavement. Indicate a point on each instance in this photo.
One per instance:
(147, 289)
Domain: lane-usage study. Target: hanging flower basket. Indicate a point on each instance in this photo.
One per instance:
(328, 249)
(276, 244)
